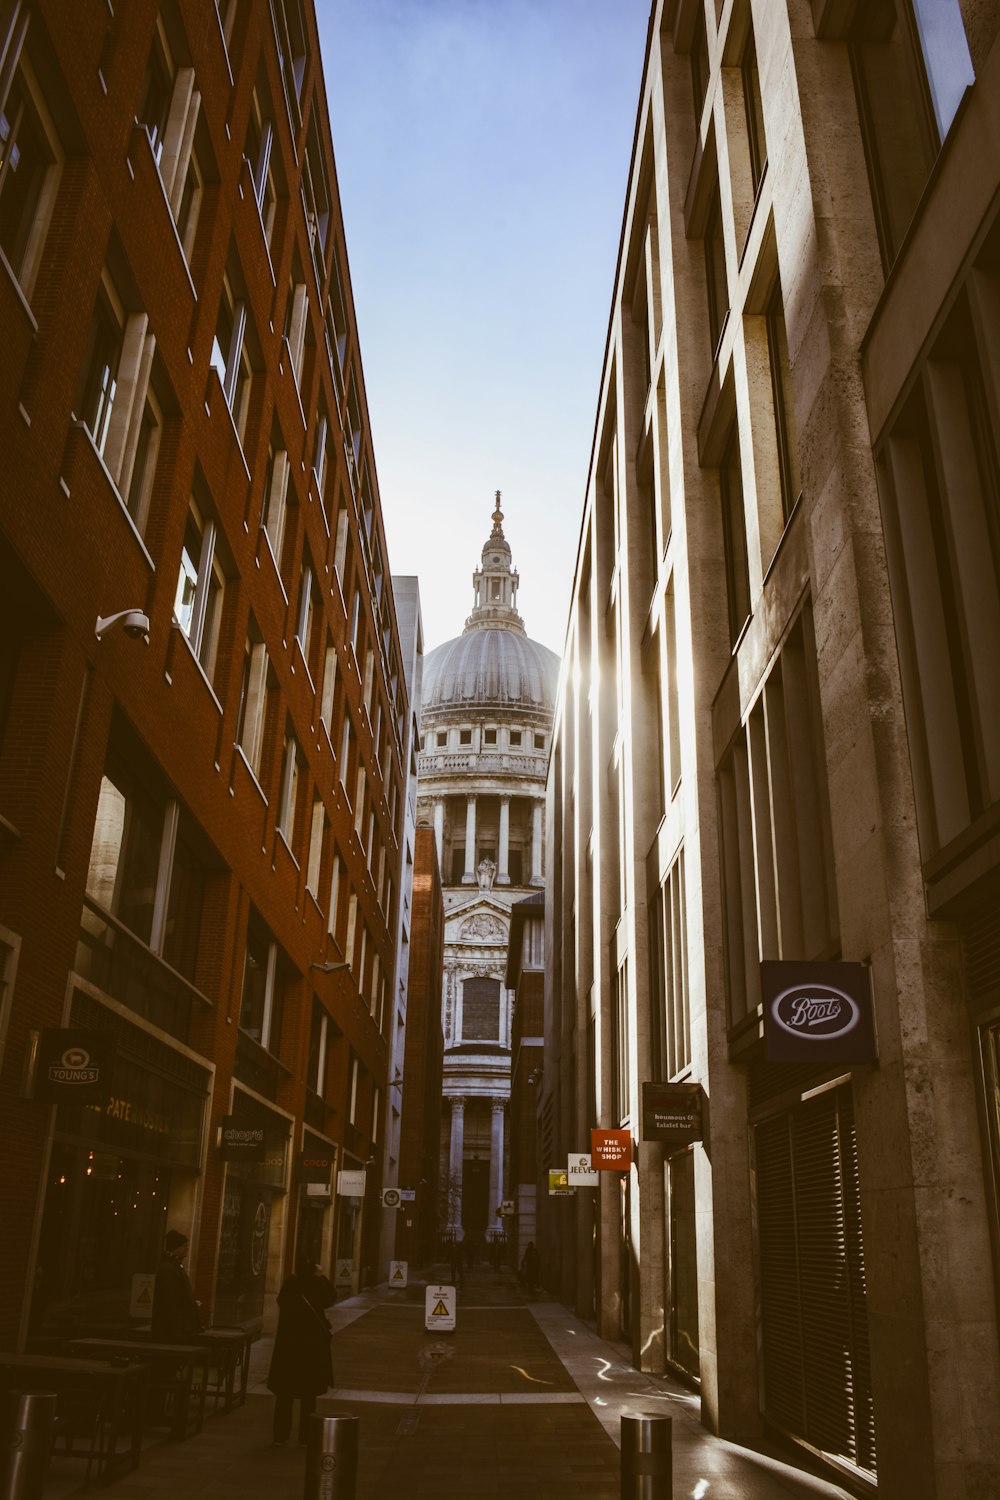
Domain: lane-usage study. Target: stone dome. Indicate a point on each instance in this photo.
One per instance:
(492, 664)
(486, 668)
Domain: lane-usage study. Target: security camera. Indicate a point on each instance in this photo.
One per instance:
(134, 623)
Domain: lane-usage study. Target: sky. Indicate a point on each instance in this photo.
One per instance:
(482, 151)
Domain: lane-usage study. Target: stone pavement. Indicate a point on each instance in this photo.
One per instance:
(522, 1400)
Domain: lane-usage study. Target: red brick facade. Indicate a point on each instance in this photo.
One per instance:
(271, 628)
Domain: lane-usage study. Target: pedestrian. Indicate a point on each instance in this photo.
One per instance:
(176, 1314)
(301, 1364)
(529, 1266)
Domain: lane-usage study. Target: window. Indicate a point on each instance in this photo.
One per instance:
(290, 33)
(441, 738)
(332, 921)
(296, 320)
(289, 793)
(322, 468)
(781, 389)
(715, 273)
(779, 891)
(157, 91)
(489, 736)
(30, 163)
(99, 381)
(670, 1004)
(317, 838)
(735, 538)
(621, 1064)
(137, 486)
(465, 736)
(275, 496)
(352, 1105)
(481, 1010)
(515, 737)
(309, 611)
(754, 108)
(316, 1075)
(143, 866)
(336, 329)
(539, 742)
(254, 693)
(316, 199)
(329, 686)
(231, 347)
(257, 151)
(911, 67)
(201, 586)
(699, 61)
(264, 981)
(355, 619)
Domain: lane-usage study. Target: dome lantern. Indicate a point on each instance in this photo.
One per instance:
(495, 583)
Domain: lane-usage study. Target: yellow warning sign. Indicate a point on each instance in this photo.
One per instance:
(440, 1311)
(439, 1308)
(145, 1297)
(397, 1275)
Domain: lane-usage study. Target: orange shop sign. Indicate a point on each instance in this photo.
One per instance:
(611, 1150)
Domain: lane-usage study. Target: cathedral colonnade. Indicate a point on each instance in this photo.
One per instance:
(456, 1157)
(534, 809)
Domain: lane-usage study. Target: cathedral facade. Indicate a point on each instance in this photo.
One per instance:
(485, 730)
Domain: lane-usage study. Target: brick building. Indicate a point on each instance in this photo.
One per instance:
(421, 1103)
(200, 803)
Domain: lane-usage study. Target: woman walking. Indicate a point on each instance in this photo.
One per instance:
(301, 1365)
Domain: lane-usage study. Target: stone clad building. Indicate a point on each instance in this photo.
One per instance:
(486, 718)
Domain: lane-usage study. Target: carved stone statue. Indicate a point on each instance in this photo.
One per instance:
(486, 872)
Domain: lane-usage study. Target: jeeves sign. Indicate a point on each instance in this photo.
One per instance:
(816, 1012)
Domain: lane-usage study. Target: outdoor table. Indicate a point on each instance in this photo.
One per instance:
(229, 1349)
(172, 1373)
(119, 1392)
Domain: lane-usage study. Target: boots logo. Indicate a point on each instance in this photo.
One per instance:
(816, 1011)
(74, 1067)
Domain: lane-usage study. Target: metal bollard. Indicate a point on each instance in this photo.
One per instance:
(646, 1458)
(332, 1458)
(26, 1428)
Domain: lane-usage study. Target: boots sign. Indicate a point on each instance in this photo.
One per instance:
(819, 1013)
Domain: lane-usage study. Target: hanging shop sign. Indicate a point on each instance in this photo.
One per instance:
(816, 1012)
(671, 1113)
(239, 1141)
(507, 1208)
(559, 1183)
(73, 1066)
(391, 1197)
(611, 1150)
(315, 1166)
(351, 1183)
(580, 1171)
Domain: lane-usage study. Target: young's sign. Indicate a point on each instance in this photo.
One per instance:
(815, 1012)
(73, 1066)
(611, 1150)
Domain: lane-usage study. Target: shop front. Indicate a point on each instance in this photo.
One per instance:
(253, 1218)
(121, 1171)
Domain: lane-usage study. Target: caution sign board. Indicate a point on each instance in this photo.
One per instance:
(439, 1309)
(345, 1273)
(397, 1272)
(140, 1304)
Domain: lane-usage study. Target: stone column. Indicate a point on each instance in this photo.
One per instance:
(536, 843)
(455, 1160)
(503, 852)
(439, 835)
(469, 878)
(496, 1165)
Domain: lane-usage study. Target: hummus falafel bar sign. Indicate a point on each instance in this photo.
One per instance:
(816, 1012)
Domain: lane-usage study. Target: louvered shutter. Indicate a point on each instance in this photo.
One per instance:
(816, 1368)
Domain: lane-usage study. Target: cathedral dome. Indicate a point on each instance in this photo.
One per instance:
(492, 664)
(490, 669)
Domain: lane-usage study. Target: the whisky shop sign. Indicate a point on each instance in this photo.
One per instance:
(816, 1012)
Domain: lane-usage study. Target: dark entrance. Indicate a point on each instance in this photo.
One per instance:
(475, 1192)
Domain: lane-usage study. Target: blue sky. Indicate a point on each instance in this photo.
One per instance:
(482, 153)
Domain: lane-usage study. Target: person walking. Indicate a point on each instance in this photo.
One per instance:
(176, 1314)
(529, 1267)
(301, 1364)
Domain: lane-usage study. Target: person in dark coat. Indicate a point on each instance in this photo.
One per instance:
(301, 1365)
(176, 1315)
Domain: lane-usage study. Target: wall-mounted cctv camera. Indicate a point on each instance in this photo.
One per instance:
(134, 623)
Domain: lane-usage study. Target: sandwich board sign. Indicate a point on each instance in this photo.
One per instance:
(439, 1309)
(141, 1300)
(397, 1272)
(345, 1273)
